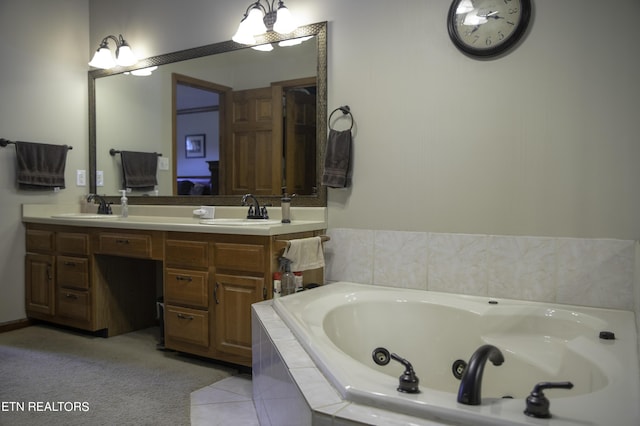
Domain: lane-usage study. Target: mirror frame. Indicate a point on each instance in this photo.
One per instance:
(319, 30)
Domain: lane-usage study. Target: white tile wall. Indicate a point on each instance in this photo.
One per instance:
(589, 272)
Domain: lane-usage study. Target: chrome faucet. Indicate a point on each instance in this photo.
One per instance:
(255, 211)
(103, 207)
(469, 392)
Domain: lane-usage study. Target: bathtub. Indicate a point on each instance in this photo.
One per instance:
(340, 325)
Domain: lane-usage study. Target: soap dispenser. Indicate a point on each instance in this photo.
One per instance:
(124, 204)
(285, 203)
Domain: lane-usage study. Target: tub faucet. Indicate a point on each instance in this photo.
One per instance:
(471, 382)
(255, 211)
(103, 207)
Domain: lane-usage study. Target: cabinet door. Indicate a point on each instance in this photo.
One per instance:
(40, 291)
(233, 296)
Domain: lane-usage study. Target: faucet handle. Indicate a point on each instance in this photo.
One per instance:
(537, 402)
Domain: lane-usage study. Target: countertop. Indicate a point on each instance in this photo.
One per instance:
(176, 218)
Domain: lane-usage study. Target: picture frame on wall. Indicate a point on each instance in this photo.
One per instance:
(195, 146)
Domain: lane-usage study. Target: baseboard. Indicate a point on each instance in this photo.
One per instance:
(14, 325)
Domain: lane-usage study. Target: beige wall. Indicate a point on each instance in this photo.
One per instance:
(541, 142)
(43, 98)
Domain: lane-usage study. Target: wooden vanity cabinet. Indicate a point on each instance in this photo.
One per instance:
(57, 270)
(210, 282)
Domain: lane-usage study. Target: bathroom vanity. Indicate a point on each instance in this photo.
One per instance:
(106, 273)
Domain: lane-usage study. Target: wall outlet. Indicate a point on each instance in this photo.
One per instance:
(81, 178)
(99, 178)
(163, 163)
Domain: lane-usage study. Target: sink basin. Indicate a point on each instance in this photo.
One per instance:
(240, 222)
(84, 216)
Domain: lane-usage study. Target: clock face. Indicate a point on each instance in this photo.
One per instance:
(487, 27)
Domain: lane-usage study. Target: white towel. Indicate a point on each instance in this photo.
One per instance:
(305, 254)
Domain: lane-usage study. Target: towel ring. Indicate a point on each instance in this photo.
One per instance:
(345, 111)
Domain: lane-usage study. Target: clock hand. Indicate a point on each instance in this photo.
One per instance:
(492, 14)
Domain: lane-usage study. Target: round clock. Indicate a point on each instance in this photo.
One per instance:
(486, 28)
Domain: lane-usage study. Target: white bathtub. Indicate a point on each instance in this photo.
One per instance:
(340, 325)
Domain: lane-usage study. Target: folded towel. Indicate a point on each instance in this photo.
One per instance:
(139, 169)
(40, 166)
(305, 254)
(337, 159)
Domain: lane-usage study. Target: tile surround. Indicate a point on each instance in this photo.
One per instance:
(589, 272)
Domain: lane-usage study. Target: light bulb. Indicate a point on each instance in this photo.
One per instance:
(284, 22)
(102, 59)
(125, 56)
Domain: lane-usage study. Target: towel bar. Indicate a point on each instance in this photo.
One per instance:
(113, 152)
(5, 142)
(283, 244)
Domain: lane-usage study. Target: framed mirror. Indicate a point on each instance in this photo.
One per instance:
(148, 114)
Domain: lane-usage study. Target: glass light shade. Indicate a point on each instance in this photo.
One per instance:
(125, 56)
(243, 36)
(143, 72)
(102, 59)
(263, 47)
(255, 22)
(294, 41)
(284, 22)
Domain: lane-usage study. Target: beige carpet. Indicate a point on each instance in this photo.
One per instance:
(51, 376)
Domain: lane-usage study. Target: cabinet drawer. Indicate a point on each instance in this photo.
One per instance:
(72, 243)
(187, 325)
(187, 253)
(73, 304)
(72, 272)
(241, 257)
(38, 240)
(126, 245)
(183, 287)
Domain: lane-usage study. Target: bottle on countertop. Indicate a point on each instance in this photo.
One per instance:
(299, 280)
(285, 203)
(288, 280)
(124, 204)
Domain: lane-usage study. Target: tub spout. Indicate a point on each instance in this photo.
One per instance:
(469, 392)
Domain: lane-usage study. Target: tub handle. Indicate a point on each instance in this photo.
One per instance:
(408, 380)
(537, 402)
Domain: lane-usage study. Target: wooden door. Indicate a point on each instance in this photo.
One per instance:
(252, 151)
(300, 142)
(234, 295)
(40, 291)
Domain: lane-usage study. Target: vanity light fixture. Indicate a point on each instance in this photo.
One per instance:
(258, 19)
(124, 54)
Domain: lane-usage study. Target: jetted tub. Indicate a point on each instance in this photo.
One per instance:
(341, 324)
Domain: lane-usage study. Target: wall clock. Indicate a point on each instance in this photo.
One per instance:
(485, 28)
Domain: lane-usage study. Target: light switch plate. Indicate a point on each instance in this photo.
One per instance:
(163, 163)
(99, 178)
(81, 178)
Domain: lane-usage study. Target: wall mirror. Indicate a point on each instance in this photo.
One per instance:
(152, 114)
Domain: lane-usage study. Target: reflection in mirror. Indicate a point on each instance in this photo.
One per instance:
(200, 103)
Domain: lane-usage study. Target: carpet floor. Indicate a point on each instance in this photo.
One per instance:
(51, 376)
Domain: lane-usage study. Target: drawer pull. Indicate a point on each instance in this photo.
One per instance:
(215, 294)
(121, 241)
(70, 296)
(70, 264)
(184, 278)
(187, 317)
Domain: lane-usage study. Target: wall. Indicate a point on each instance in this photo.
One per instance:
(44, 99)
(540, 142)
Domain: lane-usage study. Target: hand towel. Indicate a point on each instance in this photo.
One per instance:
(139, 170)
(305, 254)
(337, 159)
(40, 166)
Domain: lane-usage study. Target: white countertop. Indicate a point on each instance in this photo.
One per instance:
(176, 218)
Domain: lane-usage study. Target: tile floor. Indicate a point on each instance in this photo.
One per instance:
(227, 402)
